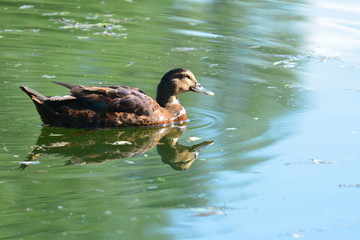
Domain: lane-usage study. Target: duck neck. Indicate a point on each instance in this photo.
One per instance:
(165, 94)
(165, 99)
(172, 106)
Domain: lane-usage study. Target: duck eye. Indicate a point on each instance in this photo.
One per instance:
(185, 76)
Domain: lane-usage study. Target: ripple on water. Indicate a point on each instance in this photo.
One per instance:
(211, 124)
(234, 138)
(206, 118)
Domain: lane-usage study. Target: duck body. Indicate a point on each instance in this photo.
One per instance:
(93, 107)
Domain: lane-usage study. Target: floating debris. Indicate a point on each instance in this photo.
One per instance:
(313, 160)
(231, 129)
(353, 89)
(109, 26)
(292, 61)
(130, 64)
(56, 14)
(210, 211)
(318, 161)
(72, 24)
(350, 185)
(206, 214)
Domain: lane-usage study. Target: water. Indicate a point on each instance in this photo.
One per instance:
(284, 121)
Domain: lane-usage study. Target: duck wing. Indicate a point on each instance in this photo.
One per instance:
(132, 100)
(114, 99)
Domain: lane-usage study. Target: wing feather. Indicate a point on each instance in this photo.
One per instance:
(115, 99)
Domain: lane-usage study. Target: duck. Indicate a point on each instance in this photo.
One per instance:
(93, 107)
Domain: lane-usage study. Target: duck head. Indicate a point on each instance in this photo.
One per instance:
(176, 82)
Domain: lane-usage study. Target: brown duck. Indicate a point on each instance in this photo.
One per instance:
(94, 107)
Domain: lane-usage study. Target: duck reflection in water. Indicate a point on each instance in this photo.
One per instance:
(88, 146)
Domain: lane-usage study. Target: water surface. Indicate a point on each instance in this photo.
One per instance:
(284, 121)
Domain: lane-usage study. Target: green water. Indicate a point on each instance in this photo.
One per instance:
(273, 155)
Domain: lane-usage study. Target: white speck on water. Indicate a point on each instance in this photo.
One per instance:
(129, 162)
(296, 235)
(82, 37)
(55, 135)
(26, 7)
(192, 139)
(318, 161)
(121, 143)
(48, 76)
(183, 49)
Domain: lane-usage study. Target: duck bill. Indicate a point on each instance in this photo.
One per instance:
(200, 89)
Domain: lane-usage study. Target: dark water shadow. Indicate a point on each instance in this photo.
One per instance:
(85, 146)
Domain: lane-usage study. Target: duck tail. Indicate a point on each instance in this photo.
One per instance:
(47, 114)
(34, 95)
